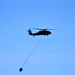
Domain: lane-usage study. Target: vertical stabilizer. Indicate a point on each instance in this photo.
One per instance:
(29, 31)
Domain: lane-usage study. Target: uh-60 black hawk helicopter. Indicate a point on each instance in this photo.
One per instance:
(45, 32)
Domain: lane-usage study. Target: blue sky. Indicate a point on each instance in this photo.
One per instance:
(55, 54)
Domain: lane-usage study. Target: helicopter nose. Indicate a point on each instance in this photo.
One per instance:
(50, 33)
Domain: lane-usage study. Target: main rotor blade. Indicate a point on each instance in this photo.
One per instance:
(51, 29)
(43, 29)
(37, 28)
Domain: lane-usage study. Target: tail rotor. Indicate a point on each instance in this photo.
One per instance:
(29, 31)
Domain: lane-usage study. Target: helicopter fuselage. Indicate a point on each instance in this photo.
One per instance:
(42, 32)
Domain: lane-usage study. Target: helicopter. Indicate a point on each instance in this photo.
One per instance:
(45, 32)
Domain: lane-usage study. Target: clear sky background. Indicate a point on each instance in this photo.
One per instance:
(55, 54)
